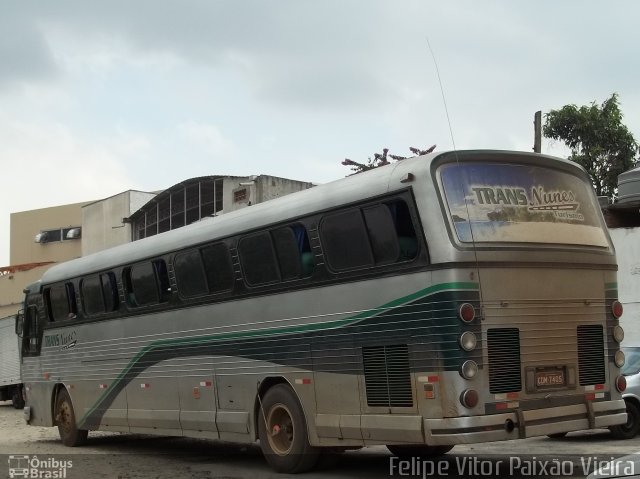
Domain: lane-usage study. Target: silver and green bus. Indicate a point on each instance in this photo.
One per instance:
(456, 297)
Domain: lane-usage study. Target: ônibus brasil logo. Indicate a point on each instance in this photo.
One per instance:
(32, 467)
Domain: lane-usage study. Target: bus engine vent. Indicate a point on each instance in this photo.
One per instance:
(503, 345)
(387, 377)
(591, 360)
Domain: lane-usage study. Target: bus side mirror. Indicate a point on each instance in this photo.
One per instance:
(19, 323)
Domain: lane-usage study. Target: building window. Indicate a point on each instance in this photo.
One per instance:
(240, 195)
(59, 234)
(179, 206)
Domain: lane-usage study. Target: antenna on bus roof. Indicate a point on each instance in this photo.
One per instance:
(444, 100)
(466, 203)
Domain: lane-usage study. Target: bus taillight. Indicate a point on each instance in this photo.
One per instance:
(469, 398)
(467, 312)
(619, 358)
(621, 383)
(618, 333)
(469, 369)
(617, 309)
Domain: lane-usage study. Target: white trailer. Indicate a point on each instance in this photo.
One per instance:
(10, 382)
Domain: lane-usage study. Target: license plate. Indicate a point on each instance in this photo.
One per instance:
(550, 379)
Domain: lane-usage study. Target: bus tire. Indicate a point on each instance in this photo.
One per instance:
(630, 429)
(282, 430)
(16, 399)
(418, 450)
(66, 420)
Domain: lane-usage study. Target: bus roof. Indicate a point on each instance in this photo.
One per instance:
(347, 190)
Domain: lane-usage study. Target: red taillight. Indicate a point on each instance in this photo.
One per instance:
(467, 312)
(469, 398)
(621, 383)
(616, 309)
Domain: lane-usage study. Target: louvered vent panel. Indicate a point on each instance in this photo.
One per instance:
(503, 346)
(387, 376)
(591, 360)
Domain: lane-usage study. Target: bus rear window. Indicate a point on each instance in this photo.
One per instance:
(509, 203)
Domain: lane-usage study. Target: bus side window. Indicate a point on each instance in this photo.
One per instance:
(382, 234)
(190, 274)
(217, 267)
(304, 248)
(258, 259)
(142, 289)
(162, 279)
(109, 291)
(407, 239)
(92, 299)
(345, 240)
(286, 245)
(61, 302)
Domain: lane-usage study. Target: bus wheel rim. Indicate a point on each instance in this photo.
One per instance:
(65, 416)
(280, 429)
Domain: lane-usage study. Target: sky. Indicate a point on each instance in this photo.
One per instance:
(100, 97)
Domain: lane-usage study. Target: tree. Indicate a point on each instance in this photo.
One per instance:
(598, 140)
(380, 159)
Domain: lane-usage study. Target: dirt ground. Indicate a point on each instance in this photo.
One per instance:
(129, 456)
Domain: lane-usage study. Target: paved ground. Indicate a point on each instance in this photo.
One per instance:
(128, 456)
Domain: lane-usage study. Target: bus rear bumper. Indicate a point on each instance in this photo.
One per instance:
(520, 424)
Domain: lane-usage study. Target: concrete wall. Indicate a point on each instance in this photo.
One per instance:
(627, 243)
(261, 188)
(102, 225)
(12, 286)
(25, 225)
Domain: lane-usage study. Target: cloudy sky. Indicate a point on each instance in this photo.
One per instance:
(100, 97)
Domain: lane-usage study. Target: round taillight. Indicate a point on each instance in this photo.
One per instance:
(618, 333)
(469, 398)
(617, 309)
(469, 369)
(619, 358)
(621, 383)
(467, 312)
(468, 341)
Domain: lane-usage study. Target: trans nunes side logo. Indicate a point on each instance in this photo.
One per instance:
(66, 340)
(562, 203)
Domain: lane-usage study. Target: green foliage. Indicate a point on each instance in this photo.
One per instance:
(598, 140)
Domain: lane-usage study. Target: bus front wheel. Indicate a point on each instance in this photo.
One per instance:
(282, 429)
(418, 450)
(66, 420)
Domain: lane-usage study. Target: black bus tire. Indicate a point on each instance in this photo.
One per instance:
(631, 428)
(282, 430)
(65, 418)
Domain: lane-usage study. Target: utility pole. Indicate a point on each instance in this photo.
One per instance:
(537, 132)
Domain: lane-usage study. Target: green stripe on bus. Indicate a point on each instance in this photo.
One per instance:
(610, 285)
(279, 331)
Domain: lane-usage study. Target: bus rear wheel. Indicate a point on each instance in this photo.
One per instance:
(282, 429)
(632, 426)
(66, 420)
(418, 450)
